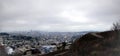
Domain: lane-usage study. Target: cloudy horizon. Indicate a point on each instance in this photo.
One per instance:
(58, 15)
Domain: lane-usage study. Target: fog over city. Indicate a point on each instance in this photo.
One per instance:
(58, 15)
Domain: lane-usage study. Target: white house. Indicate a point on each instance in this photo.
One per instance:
(9, 50)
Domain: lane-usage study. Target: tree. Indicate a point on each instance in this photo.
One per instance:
(116, 26)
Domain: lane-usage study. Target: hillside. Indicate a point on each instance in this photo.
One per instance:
(95, 44)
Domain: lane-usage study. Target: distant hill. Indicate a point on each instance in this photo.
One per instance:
(3, 33)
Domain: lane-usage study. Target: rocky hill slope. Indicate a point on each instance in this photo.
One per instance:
(95, 44)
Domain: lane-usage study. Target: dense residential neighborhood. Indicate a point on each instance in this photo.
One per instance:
(25, 43)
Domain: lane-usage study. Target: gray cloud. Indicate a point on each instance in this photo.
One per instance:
(58, 15)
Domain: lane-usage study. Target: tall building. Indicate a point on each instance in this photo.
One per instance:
(1, 40)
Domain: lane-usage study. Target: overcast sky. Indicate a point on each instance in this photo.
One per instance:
(58, 15)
